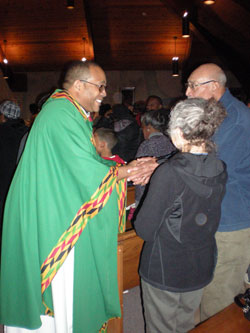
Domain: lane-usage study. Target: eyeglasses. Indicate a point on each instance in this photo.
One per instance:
(101, 87)
(193, 85)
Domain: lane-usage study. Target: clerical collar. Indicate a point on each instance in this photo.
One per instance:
(87, 114)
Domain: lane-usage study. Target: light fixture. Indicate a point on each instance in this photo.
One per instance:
(70, 4)
(208, 2)
(5, 60)
(4, 67)
(185, 25)
(175, 61)
(175, 66)
(84, 58)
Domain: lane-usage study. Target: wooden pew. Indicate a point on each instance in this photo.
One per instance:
(130, 195)
(229, 320)
(131, 247)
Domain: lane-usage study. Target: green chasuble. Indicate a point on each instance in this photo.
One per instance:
(59, 171)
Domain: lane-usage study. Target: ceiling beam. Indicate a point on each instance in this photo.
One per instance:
(89, 27)
(2, 54)
(243, 3)
(234, 61)
(94, 9)
(238, 65)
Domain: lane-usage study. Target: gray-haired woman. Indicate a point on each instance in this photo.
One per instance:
(156, 143)
(179, 218)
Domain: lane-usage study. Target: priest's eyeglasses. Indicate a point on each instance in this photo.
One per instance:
(101, 87)
(194, 85)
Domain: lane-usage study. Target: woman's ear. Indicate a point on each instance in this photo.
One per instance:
(180, 136)
(179, 133)
(178, 139)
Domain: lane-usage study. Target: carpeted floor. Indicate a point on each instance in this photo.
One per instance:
(133, 321)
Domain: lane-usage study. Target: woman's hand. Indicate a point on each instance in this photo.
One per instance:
(140, 170)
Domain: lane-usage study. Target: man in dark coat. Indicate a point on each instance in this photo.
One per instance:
(12, 129)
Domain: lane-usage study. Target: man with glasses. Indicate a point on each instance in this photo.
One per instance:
(62, 215)
(233, 236)
(154, 102)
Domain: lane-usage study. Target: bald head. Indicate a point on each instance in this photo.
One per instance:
(206, 81)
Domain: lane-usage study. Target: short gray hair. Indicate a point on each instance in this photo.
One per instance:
(221, 78)
(77, 70)
(198, 120)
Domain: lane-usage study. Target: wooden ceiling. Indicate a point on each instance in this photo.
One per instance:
(125, 34)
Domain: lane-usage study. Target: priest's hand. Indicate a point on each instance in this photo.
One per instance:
(140, 170)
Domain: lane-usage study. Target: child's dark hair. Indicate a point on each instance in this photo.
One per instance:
(107, 135)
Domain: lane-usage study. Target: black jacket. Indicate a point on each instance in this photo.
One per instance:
(178, 220)
(129, 140)
(11, 133)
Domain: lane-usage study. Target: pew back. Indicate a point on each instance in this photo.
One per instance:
(132, 245)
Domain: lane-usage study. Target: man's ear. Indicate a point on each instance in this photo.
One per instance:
(215, 86)
(77, 85)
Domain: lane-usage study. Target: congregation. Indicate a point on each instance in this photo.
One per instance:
(190, 166)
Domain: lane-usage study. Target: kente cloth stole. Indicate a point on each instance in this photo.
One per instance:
(121, 188)
(65, 94)
(87, 211)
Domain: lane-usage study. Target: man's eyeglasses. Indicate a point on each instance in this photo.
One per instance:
(193, 85)
(101, 87)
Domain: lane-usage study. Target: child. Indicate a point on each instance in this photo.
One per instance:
(105, 139)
